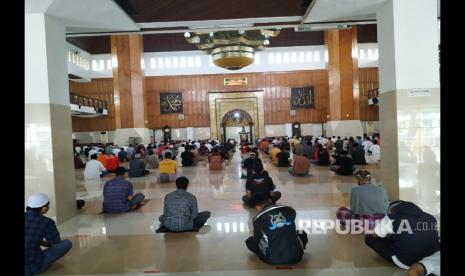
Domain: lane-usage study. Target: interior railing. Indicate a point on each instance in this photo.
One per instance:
(79, 100)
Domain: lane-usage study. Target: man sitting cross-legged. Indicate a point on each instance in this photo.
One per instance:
(118, 194)
(300, 166)
(260, 183)
(275, 239)
(344, 165)
(180, 210)
(167, 168)
(367, 201)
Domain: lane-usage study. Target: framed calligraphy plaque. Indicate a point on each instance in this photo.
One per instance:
(235, 81)
(302, 97)
(171, 103)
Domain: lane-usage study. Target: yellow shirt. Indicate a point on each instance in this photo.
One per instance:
(168, 166)
(273, 153)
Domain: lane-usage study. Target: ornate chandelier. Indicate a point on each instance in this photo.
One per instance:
(232, 50)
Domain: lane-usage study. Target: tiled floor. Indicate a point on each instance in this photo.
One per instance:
(125, 244)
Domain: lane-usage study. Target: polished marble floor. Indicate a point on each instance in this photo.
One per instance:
(125, 244)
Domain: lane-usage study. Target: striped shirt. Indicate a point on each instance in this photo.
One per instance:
(180, 210)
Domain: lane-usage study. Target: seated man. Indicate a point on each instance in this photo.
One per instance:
(137, 166)
(344, 165)
(274, 154)
(167, 168)
(151, 160)
(275, 239)
(112, 163)
(430, 265)
(250, 162)
(122, 155)
(187, 157)
(400, 239)
(260, 183)
(118, 194)
(358, 154)
(41, 231)
(94, 169)
(180, 209)
(323, 156)
(215, 160)
(300, 166)
(367, 201)
(284, 158)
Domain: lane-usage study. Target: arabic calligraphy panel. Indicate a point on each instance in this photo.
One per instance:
(171, 103)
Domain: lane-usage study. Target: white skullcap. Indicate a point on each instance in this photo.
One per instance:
(37, 200)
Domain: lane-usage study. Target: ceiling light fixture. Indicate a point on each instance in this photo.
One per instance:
(232, 50)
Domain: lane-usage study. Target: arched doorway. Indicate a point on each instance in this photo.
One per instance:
(237, 124)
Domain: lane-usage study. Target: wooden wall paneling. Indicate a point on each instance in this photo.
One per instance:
(101, 89)
(276, 87)
(368, 79)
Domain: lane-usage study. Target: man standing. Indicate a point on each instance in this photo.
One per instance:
(180, 212)
(275, 239)
(118, 194)
(41, 231)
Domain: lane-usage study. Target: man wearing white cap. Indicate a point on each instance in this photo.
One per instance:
(41, 231)
(137, 167)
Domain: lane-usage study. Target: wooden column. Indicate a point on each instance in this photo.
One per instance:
(343, 74)
(128, 81)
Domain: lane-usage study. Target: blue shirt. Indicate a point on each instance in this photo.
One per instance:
(180, 210)
(115, 195)
(37, 228)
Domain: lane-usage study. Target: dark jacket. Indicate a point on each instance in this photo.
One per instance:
(285, 145)
(283, 159)
(187, 158)
(260, 183)
(358, 155)
(249, 163)
(346, 165)
(323, 158)
(424, 241)
(275, 234)
(136, 167)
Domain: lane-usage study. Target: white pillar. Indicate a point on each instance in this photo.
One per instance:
(409, 120)
(288, 129)
(190, 133)
(49, 166)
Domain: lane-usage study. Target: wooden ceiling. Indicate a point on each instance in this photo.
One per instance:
(177, 42)
(188, 10)
(145, 11)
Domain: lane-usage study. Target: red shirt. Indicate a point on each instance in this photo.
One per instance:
(111, 163)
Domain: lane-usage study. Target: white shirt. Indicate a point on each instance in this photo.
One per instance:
(197, 144)
(375, 152)
(432, 263)
(181, 149)
(367, 145)
(92, 151)
(77, 149)
(209, 146)
(115, 151)
(93, 169)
